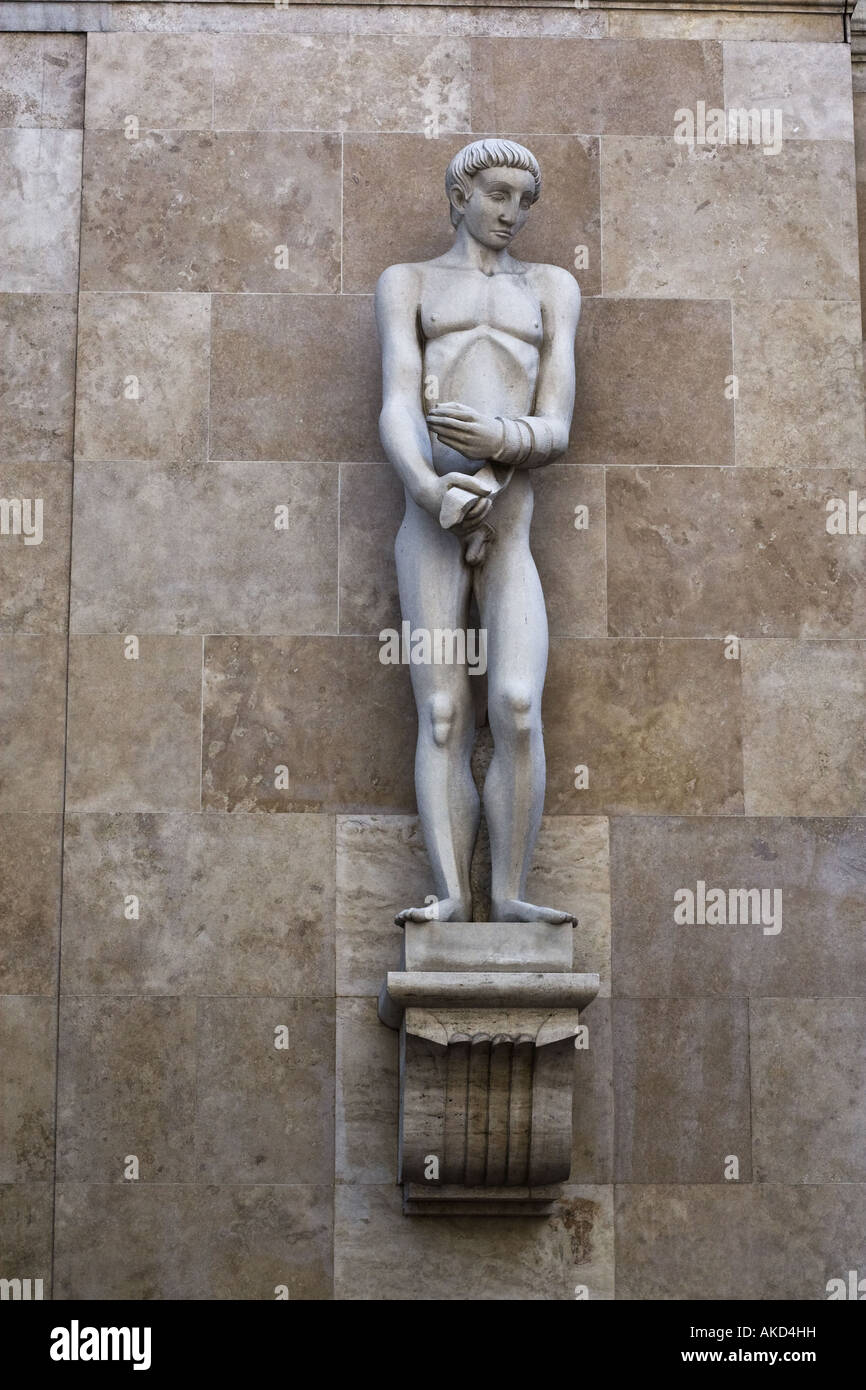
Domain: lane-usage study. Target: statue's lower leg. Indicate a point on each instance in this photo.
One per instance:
(513, 800)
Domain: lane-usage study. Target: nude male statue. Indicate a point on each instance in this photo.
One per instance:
(491, 340)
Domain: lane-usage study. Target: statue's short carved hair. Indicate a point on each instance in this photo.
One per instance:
(488, 154)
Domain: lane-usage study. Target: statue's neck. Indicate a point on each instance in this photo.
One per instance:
(470, 254)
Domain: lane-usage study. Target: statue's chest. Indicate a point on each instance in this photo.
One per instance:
(478, 303)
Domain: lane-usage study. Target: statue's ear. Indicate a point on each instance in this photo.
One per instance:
(458, 199)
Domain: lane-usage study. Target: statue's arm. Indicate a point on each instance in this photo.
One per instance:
(402, 427)
(530, 441)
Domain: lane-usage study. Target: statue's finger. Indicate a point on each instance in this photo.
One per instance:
(468, 483)
(455, 434)
(454, 410)
(455, 427)
(449, 422)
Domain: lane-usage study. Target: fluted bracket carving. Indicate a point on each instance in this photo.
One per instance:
(488, 1014)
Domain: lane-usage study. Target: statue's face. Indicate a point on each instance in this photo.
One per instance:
(498, 206)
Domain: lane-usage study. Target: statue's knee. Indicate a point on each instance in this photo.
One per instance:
(443, 716)
(518, 708)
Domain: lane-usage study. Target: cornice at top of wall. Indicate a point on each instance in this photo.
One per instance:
(731, 7)
(679, 6)
(675, 6)
(793, 20)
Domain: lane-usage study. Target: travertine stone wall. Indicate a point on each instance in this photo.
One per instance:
(858, 83)
(41, 113)
(223, 385)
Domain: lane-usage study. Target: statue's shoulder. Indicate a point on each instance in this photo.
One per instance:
(553, 280)
(400, 277)
(558, 294)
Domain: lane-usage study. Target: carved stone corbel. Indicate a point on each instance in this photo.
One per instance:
(488, 1014)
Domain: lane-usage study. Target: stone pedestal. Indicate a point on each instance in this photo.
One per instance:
(487, 1013)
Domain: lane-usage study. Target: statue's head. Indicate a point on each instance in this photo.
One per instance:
(491, 185)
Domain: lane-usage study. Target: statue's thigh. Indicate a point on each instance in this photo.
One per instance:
(434, 582)
(511, 606)
(435, 586)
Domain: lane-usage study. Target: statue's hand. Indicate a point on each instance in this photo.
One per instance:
(449, 499)
(472, 434)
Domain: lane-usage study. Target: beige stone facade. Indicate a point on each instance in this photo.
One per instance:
(197, 200)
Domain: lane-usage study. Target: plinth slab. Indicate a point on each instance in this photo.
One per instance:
(486, 946)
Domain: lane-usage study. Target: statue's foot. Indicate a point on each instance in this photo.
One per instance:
(513, 910)
(436, 910)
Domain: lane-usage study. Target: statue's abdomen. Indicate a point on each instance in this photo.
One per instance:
(492, 371)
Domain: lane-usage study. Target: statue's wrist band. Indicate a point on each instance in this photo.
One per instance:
(525, 439)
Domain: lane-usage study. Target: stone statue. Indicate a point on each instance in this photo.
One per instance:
(478, 366)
